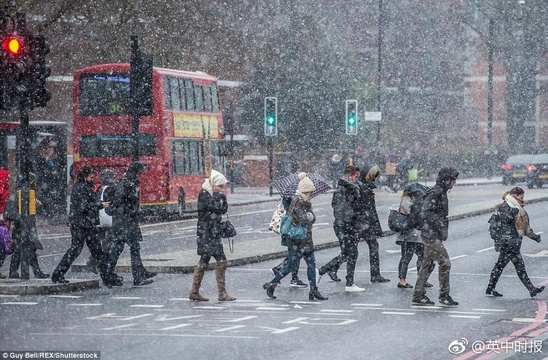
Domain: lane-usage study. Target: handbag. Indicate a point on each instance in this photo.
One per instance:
(276, 221)
(105, 220)
(398, 221)
(295, 232)
(6, 242)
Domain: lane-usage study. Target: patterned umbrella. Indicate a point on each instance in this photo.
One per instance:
(288, 185)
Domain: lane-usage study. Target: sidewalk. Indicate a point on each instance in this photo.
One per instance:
(246, 252)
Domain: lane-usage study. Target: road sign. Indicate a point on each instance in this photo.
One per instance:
(373, 116)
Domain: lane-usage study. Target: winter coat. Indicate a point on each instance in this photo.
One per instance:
(345, 206)
(368, 220)
(509, 234)
(211, 207)
(84, 206)
(301, 212)
(124, 205)
(435, 209)
(410, 235)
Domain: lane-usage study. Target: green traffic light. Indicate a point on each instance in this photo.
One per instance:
(351, 120)
(270, 120)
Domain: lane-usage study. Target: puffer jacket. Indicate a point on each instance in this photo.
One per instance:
(210, 211)
(345, 205)
(435, 209)
(368, 222)
(301, 212)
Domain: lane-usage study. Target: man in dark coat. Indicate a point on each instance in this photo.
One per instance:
(434, 232)
(83, 217)
(368, 220)
(125, 224)
(345, 210)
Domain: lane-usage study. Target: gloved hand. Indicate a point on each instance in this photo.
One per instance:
(536, 237)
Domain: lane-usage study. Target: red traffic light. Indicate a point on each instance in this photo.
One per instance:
(13, 46)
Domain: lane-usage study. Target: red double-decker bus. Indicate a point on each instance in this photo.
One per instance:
(184, 133)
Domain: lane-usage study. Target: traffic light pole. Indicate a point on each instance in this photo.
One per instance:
(270, 161)
(134, 113)
(25, 187)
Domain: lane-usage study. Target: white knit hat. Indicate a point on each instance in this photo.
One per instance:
(305, 185)
(216, 178)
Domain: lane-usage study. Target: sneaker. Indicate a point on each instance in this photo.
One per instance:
(492, 292)
(424, 300)
(298, 283)
(142, 282)
(447, 301)
(353, 288)
(333, 276)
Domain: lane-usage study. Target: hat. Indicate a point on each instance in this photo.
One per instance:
(216, 178)
(305, 184)
(106, 176)
(372, 174)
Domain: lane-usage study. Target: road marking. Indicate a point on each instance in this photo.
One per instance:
(527, 320)
(175, 327)
(65, 296)
(230, 328)
(465, 316)
(337, 311)
(486, 249)
(242, 319)
(396, 313)
(488, 309)
(393, 251)
(294, 320)
(165, 318)
(135, 317)
(458, 257)
(120, 326)
(280, 331)
(366, 305)
(209, 307)
(271, 308)
(19, 303)
(148, 335)
(146, 306)
(9, 296)
(179, 299)
(85, 304)
(125, 298)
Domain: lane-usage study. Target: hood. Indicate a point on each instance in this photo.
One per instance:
(344, 182)
(445, 175)
(106, 177)
(134, 169)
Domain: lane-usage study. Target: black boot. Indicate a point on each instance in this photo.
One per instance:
(269, 287)
(315, 294)
(534, 291)
(491, 291)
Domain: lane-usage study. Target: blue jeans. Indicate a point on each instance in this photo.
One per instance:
(294, 257)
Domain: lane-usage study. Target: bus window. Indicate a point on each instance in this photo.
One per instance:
(167, 92)
(215, 97)
(189, 92)
(207, 98)
(175, 96)
(187, 157)
(199, 97)
(104, 95)
(112, 146)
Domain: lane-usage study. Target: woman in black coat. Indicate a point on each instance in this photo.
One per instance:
(212, 205)
(83, 217)
(514, 225)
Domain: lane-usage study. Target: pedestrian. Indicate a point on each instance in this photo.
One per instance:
(33, 244)
(83, 218)
(345, 210)
(212, 204)
(404, 166)
(514, 225)
(302, 214)
(105, 192)
(370, 226)
(391, 173)
(4, 198)
(124, 209)
(434, 231)
(409, 239)
(295, 280)
(49, 175)
(336, 167)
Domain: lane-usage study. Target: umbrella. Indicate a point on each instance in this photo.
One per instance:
(288, 185)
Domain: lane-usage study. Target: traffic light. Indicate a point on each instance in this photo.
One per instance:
(351, 118)
(39, 71)
(271, 116)
(141, 81)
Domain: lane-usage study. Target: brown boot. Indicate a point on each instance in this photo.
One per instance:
(199, 271)
(220, 275)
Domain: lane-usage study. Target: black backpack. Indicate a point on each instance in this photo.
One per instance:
(495, 227)
(419, 192)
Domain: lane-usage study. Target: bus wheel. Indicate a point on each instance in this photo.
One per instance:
(181, 204)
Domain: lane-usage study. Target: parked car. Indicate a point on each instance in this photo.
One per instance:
(513, 170)
(537, 171)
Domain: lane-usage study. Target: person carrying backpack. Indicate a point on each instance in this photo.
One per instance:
(409, 239)
(514, 224)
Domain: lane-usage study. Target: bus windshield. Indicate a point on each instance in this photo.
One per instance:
(104, 95)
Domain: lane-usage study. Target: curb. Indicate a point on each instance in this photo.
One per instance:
(45, 287)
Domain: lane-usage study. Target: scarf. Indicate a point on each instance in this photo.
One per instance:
(522, 219)
(207, 186)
